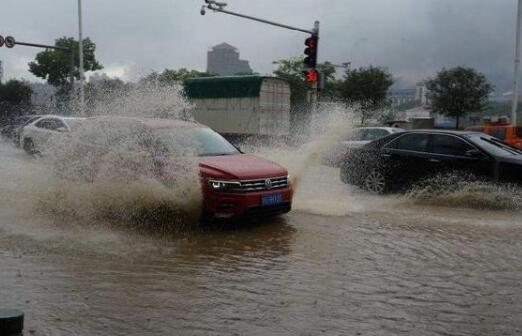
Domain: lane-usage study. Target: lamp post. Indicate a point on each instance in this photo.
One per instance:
(80, 40)
(514, 95)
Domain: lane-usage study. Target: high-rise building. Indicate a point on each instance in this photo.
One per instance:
(223, 59)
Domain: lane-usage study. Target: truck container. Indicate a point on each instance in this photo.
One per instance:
(241, 106)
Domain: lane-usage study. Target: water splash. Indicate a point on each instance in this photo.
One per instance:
(465, 191)
(115, 169)
(328, 127)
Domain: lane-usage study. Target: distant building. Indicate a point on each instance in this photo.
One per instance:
(223, 59)
(423, 94)
(401, 96)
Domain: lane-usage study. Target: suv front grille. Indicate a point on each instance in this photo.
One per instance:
(268, 183)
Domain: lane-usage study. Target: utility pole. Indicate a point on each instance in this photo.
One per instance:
(10, 42)
(217, 6)
(514, 95)
(80, 40)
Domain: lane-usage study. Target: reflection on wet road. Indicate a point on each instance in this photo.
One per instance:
(381, 268)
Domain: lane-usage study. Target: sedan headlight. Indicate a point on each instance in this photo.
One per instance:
(221, 185)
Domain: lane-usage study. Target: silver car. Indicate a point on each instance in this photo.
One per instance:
(356, 138)
(361, 136)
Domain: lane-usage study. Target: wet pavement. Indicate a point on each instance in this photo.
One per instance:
(342, 263)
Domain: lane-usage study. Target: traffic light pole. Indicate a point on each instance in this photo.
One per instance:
(218, 7)
(45, 46)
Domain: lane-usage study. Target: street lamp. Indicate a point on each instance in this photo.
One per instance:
(80, 47)
(514, 94)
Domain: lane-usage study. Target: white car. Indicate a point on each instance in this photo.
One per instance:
(35, 135)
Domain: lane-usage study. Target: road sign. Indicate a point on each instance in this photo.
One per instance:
(9, 41)
(2, 41)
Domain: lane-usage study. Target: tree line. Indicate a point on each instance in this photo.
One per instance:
(454, 92)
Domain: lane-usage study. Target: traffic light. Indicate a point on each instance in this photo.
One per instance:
(311, 51)
(311, 75)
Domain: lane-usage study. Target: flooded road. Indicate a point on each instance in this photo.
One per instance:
(342, 263)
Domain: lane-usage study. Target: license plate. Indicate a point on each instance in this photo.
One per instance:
(271, 199)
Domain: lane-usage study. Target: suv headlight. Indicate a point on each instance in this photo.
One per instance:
(220, 185)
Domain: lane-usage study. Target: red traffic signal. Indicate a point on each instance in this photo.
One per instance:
(311, 75)
(311, 51)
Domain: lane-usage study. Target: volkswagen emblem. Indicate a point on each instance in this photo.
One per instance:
(268, 183)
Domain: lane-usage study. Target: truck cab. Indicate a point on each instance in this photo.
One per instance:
(502, 129)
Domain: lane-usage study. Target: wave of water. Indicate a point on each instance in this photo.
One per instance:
(455, 190)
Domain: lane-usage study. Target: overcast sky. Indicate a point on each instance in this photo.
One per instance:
(413, 38)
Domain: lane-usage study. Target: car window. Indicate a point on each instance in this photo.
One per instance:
(30, 120)
(375, 133)
(356, 135)
(417, 142)
(494, 146)
(449, 145)
(498, 132)
(54, 124)
(73, 122)
(50, 124)
(57, 123)
(519, 132)
(204, 140)
(44, 123)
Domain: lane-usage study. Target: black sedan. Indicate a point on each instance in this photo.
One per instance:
(399, 160)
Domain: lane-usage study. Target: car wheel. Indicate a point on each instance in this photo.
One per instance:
(375, 182)
(29, 146)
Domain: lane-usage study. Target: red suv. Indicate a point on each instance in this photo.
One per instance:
(234, 184)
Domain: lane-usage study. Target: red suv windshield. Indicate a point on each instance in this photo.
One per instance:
(205, 141)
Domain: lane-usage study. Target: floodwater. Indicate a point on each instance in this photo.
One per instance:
(341, 263)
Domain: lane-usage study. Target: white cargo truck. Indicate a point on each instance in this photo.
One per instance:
(241, 106)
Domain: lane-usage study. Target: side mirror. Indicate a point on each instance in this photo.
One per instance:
(474, 153)
(61, 129)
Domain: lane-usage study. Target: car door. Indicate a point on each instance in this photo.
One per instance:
(407, 158)
(452, 154)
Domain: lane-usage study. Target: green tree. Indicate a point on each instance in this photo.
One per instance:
(169, 76)
(330, 86)
(15, 98)
(291, 70)
(55, 65)
(366, 89)
(99, 91)
(458, 91)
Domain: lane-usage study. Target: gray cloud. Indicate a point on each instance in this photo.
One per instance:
(413, 38)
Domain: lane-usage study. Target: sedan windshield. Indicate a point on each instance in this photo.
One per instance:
(495, 146)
